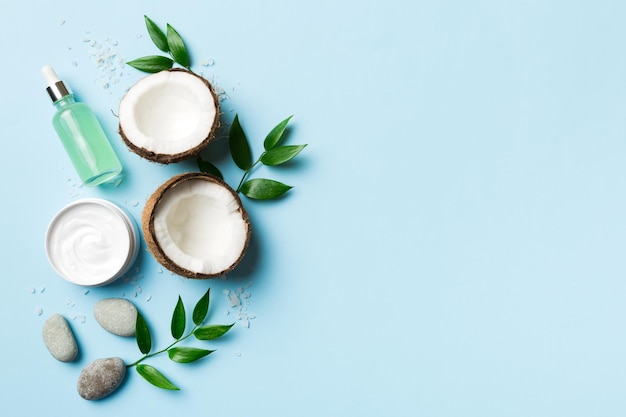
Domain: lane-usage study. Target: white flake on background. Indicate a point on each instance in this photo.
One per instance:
(75, 186)
(81, 318)
(109, 63)
(137, 291)
(34, 291)
(234, 298)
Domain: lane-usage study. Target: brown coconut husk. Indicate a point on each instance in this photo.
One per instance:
(172, 158)
(147, 225)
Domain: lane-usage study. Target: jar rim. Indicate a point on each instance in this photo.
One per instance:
(131, 239)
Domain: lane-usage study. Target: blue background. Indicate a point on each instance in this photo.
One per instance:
(454, 244)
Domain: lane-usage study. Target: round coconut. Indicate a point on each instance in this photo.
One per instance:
(196, 226)
(169, 116)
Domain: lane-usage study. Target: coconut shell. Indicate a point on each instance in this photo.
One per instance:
(147, 225)
(171, 158)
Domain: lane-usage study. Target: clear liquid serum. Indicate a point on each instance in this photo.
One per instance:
(82, 135)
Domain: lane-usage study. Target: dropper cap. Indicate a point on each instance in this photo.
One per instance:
(56, 88)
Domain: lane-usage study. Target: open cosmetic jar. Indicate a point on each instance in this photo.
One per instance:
(92, 242)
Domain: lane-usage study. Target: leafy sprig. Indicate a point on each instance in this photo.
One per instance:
(169, 42)
(180, 354)
(274, 154)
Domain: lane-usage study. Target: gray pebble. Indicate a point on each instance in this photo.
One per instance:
(100, 378)
(116, 315)
(59, 339)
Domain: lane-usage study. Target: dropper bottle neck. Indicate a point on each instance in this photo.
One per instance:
(56, 88)
(64, 101)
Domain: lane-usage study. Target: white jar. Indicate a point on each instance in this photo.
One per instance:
(92, 242)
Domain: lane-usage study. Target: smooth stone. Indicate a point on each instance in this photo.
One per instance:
(59, 339)
(100, 378)
(116, 315)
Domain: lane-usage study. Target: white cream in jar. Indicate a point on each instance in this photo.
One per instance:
(92, 242)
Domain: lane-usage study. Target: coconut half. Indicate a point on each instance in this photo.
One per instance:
(169, 116)
(196, 226)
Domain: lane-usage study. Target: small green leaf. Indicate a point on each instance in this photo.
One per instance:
(177, 47)
(276, 134)
(264, 189)
(156, 34)
(281, 154)
(142, 333)
(201, 309)
(179, 320)
(208, 168)
(187, 354)
(155, 377)
(239, 147)
(212, 331)
(151, 63)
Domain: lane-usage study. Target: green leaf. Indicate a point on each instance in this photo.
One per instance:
(264, 189)
(179, 320)
(239, 147)
(151, 63)
(276, 134)
(142, 333)
(156, 34)
(187, 354)
(281, 154)
(208, 168)
(156, 378)
(201, 309)
(177, 47)
(212, 331)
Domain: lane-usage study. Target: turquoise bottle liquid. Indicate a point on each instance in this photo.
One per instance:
(82, 135)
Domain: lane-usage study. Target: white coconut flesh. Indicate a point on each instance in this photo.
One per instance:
(198, 225)
(168, 113)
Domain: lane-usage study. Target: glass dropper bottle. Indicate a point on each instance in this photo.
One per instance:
(82, 135)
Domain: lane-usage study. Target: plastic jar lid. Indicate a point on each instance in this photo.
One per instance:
(92, 242)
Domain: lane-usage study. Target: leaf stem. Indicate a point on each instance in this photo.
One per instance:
(149, 355)
(247, 172)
